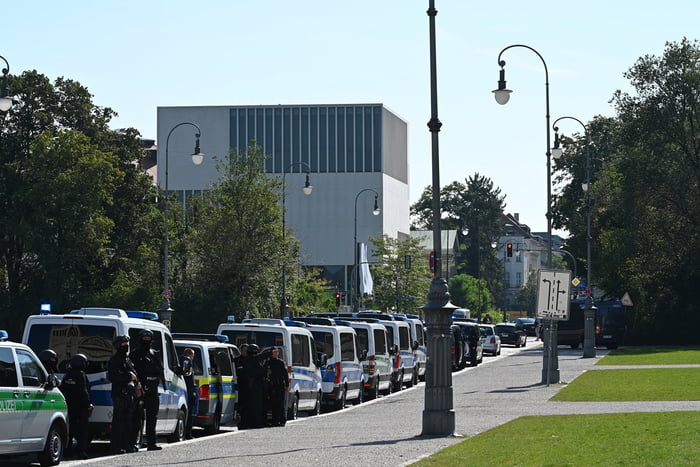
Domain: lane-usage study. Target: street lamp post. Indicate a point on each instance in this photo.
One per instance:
(284, 305)
(589, 309)
(5, 98)
(573, 259)
(197, 158)
(439, 414)
(355, 277)
(550, 366)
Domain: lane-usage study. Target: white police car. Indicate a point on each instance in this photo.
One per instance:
(33, 412)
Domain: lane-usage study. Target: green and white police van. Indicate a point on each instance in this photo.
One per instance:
(90, 331)
(33, 411)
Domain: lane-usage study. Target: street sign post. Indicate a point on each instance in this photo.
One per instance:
(553, 294)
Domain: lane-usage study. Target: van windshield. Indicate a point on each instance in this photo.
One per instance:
(67, 339)
(250, 336)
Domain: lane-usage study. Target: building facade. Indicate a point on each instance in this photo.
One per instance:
(348, 151)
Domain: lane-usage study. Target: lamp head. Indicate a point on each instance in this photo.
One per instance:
(197, 156)
(5, 98)
(307, 186)
(376, 209)
(557, 151)
(502, 94)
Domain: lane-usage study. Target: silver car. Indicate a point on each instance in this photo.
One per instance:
(492, 341)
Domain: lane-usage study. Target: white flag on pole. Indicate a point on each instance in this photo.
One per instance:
(366, 282)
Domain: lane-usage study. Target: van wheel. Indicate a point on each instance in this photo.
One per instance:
(53, 449)
(340, 403)
(215, 426)
(293, 411)
(317, 407)
(360, 396)
(373, 393)
(179, 433)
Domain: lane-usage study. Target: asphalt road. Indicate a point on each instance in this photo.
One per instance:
(387, 431)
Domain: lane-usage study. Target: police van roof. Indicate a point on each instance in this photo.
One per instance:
(192, 336)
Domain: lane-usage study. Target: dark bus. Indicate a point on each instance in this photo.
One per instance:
(609, 324)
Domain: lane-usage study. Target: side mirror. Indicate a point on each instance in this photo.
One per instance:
(415, 345)
(363, 354)
(51, 382)
(322, 360)
(186, 366)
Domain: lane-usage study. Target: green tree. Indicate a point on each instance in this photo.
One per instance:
(395, 286)
(236, 248)
(477, 205)
(467, 292)
(72, 215)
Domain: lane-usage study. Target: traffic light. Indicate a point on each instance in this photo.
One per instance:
(509, 250)
(338, 296)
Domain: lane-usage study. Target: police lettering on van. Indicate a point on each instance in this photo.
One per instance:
(90, 331)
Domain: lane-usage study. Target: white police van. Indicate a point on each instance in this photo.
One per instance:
(33, 412)
(90, 331)
(215, 379)
(373, 342)
(420, 350)
(342, 373)
(404, 360)
(298, 352)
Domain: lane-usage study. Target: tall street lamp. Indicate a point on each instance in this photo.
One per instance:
(550, 370)
(284, 304)
(439, 414)
(197, 158)
(589, 308)
(356, 271)
(5, 98)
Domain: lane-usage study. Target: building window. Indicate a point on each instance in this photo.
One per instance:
(518, 279)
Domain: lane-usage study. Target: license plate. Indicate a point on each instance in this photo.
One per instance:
(607, 337)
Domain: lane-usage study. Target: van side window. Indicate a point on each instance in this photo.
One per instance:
(31, 372)
(403, 338)
(347, 347)
(8, 372)
(390, 334)
(67, 340)
(362, 338)
(301, 355)
(379, 341)
(419, 334)
(324, 343)
(173, 361)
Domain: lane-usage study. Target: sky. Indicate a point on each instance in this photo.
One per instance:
(134, 56)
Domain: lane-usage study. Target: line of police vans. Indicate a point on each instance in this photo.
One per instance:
(330, 359)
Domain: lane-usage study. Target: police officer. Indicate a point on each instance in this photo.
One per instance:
(188, 374)
(279, 385)
(149, 370)
(50, 360)
(122, 374)
(243, 398)
(255, 375)
(76, 389)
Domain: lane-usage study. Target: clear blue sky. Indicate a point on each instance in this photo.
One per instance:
(134, 56)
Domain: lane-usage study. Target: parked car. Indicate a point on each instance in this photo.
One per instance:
(474, 343)
(511, 334)
(492, 341)
(33, 411)
(527, 324)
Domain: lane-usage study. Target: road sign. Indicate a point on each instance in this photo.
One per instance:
(575, 282)
(553, 294)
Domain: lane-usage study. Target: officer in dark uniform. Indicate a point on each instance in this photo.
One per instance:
(149, 370)
(76, 389)
(255, 373)
(188, 374)
(122, 374)
(243, 398)
(50, 360)
(279, 385)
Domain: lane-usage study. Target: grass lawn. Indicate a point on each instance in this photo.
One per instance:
(652, 356)
(634, 439)
(655, 384)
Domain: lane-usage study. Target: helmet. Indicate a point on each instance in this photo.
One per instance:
(78, 361)
(253, 349)
(48, 355)
(119, 340)
(145, 333)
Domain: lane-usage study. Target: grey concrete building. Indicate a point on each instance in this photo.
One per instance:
(348, 149)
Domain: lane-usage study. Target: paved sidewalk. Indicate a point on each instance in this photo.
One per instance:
(386, 432)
